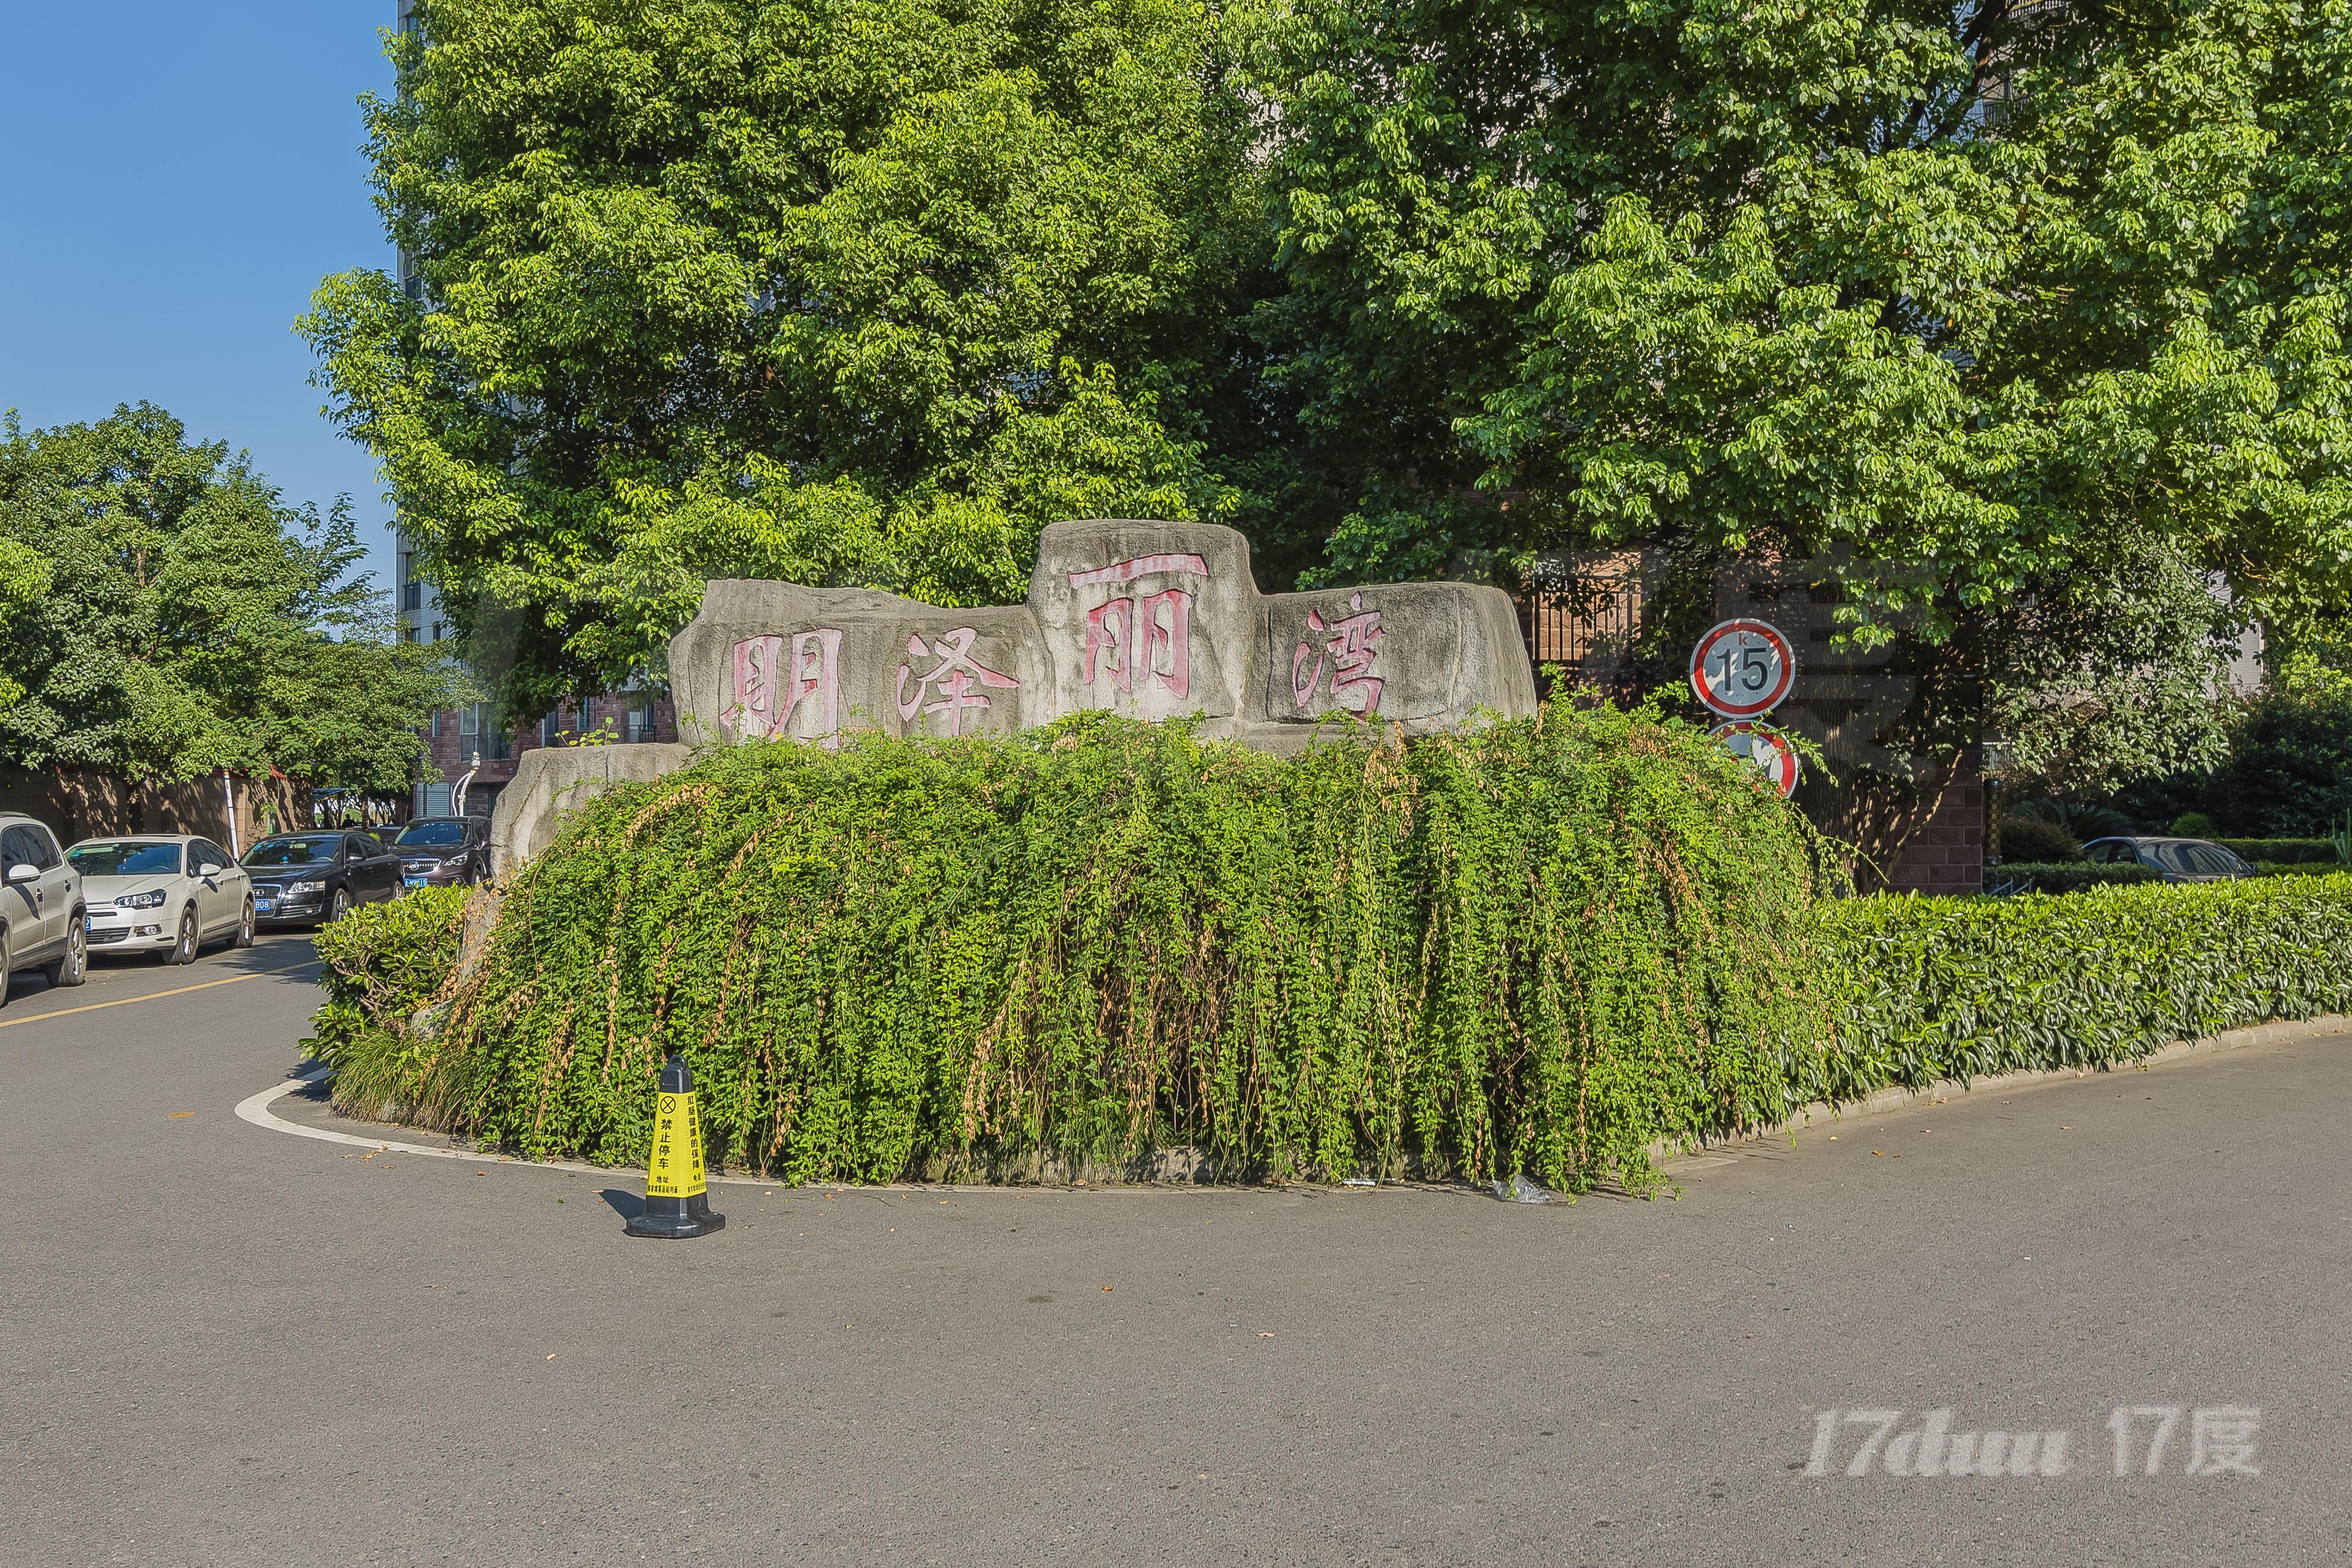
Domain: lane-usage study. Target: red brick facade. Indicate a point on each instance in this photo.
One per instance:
(1945, 854)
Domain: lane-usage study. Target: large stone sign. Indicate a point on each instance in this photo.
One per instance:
(1152, 620)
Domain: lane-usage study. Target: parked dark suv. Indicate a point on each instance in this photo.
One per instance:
(301, 878)
(444, 851)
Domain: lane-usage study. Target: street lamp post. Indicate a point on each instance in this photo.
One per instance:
(457, 807)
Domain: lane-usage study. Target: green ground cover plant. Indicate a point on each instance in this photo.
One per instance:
(1549, 948)
(1545, 947)
(384, 963)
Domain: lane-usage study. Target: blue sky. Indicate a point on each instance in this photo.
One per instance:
(175, 179)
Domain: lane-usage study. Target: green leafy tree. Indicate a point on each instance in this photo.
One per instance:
(1988, 289)
(181, 618)
(850, 292)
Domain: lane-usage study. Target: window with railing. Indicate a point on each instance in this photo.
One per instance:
(478, 731)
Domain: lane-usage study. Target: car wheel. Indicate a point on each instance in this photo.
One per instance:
(185, 950)
(4, 975)
(244, 936)
(342, 905)
(74, 967)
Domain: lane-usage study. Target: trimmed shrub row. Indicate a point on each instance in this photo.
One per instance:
(1937, 988)
(1541, 949)
(2062, 876)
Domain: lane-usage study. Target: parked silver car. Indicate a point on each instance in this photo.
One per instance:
(165, 894)
(41, 906)
(2175, 859)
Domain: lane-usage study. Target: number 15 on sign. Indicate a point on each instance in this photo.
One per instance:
(1742, 668)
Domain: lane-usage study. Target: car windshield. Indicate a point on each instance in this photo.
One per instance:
(2191, 859)
(433, 833)
(2212, 860)
(310, 849)
(126, 859)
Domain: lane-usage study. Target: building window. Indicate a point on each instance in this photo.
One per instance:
(640, 723)
(478, 724)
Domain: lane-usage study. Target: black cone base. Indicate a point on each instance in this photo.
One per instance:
(676, 1219)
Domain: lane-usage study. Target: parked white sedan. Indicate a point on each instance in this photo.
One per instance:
(166, 894)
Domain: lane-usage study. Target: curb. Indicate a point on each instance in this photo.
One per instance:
(1896, 1098)
(255, 1109)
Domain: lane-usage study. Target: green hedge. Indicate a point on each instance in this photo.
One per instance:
(1542, 949)
(2282, 851)
(2062, 876)
(1937, 988)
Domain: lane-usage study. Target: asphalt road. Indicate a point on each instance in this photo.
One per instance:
(223, 1345)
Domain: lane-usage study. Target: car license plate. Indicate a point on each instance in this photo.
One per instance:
(414, 881)
(264, 905)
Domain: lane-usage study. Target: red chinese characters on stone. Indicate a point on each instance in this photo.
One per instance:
(1350, 644)
(955, 677)
(776, 677)
(1147, 636)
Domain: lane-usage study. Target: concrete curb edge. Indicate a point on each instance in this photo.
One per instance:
(1896, 1098)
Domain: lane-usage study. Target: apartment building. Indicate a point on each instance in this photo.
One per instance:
(474, 754)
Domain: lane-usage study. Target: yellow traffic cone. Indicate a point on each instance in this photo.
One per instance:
(677, 1202)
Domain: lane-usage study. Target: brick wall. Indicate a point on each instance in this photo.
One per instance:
(1946, 854)
(75, 804)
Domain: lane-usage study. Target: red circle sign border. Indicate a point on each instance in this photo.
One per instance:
(1772, 699)
(1794, 766)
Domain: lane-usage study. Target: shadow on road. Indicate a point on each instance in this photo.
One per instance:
(627, 1205)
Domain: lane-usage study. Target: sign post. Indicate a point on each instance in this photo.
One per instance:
(1765, 748)
(1742, 669)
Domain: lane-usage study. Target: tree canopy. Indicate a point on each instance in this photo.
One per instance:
(2044, 303)
(850, 292)
(175, 616)
(2001, 290)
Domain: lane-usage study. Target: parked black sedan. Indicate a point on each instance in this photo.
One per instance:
(301, 878)
(444, 851)
(2175, 859)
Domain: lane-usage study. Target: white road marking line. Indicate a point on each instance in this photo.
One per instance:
(255, 1109)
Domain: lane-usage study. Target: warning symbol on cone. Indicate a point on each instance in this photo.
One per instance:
(677, 1200)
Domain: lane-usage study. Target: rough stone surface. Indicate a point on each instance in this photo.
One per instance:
(1151, 620)
(554, 779)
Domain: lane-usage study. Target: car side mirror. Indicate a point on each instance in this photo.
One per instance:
(208, 869)
(23, 871)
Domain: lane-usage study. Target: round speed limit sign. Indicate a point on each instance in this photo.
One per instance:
(1766, 749)
(1743, 669)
